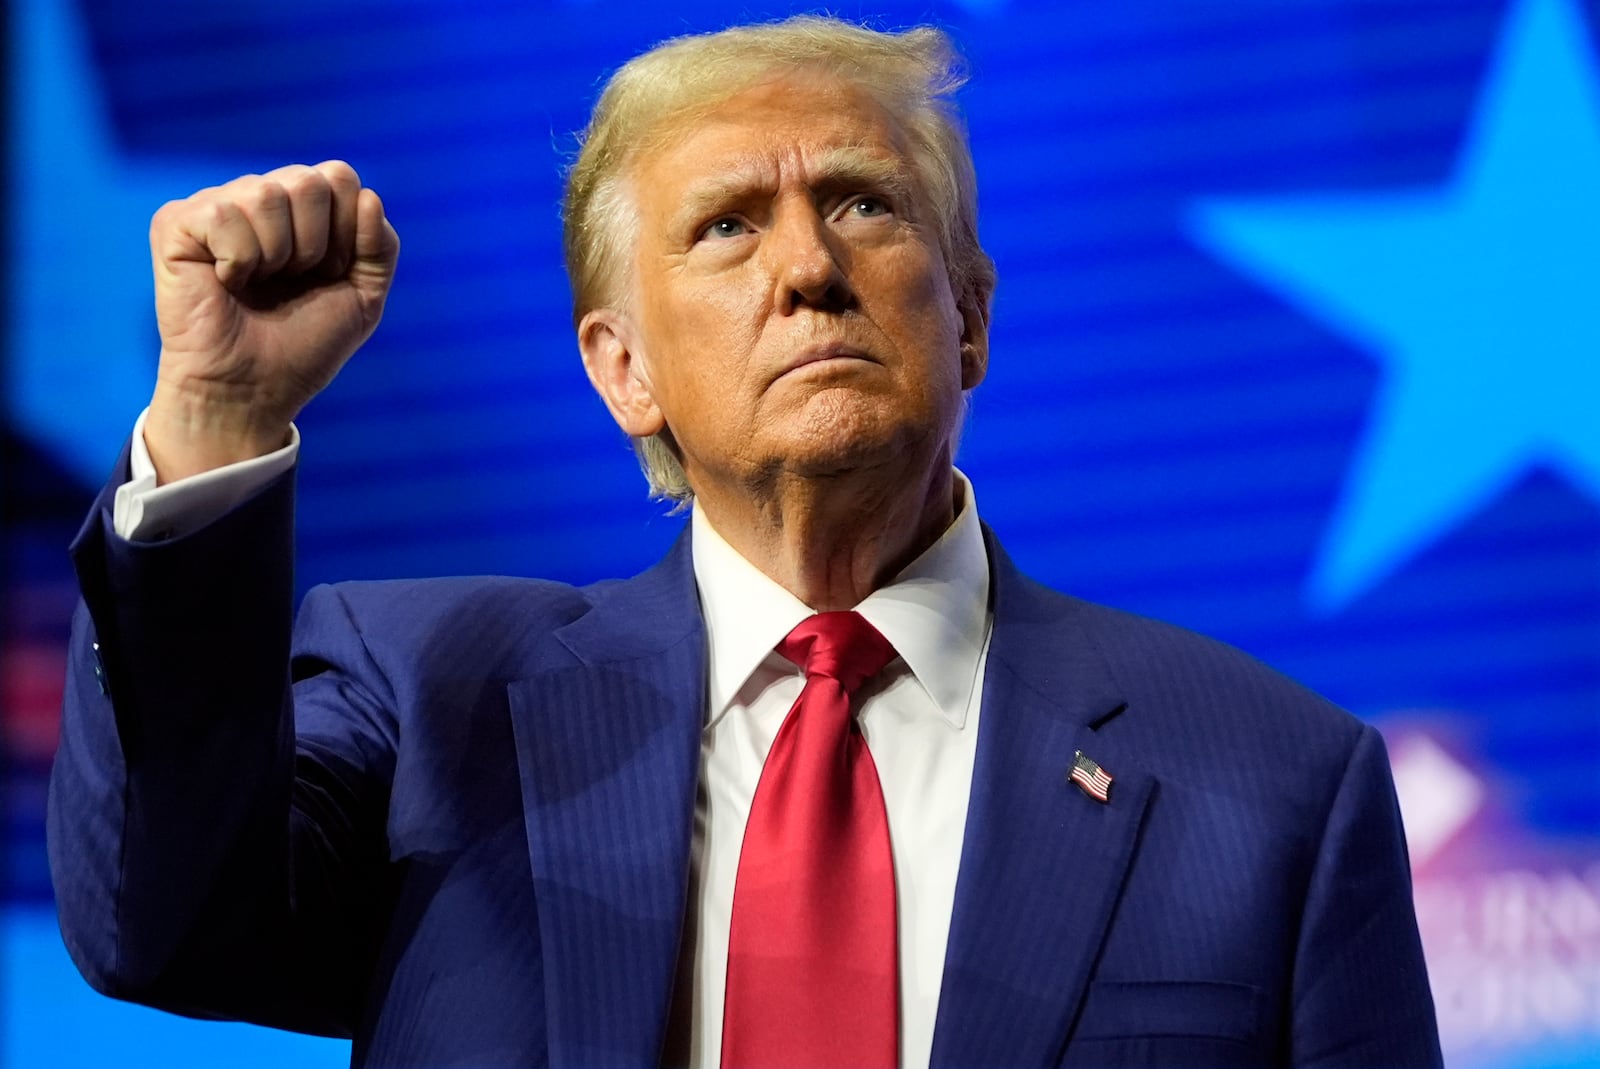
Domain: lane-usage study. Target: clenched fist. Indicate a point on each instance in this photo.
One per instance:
(265, 286)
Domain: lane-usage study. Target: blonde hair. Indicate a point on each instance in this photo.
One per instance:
(914, 75)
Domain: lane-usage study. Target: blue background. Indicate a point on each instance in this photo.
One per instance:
(1295, 343)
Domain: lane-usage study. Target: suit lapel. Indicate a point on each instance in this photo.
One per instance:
(1042, 864)
(607, 741)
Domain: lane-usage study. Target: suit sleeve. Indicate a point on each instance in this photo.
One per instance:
(1360, 996)
(204, 860)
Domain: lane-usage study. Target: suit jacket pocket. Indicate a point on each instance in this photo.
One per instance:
(1194, 1008)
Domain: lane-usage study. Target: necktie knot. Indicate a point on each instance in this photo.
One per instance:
(840, 646)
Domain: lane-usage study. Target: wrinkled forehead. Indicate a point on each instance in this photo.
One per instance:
(766, 168)
(812, 128)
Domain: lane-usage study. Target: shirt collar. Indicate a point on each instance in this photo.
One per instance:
(935, 613)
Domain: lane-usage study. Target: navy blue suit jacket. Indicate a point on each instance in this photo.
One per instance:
(453, 822)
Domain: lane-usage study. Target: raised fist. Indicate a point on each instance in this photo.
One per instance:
(265, 286)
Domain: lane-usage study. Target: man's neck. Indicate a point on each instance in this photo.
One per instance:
(832, 541)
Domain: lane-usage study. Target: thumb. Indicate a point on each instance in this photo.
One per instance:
(377, 247)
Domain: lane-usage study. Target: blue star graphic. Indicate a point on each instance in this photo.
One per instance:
(1477, 298)
(82, 341)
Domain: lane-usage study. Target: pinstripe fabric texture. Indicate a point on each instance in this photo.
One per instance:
(456, 824)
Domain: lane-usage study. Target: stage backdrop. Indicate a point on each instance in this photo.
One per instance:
(1297, 342)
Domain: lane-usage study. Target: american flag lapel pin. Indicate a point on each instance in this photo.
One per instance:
(1090, 778)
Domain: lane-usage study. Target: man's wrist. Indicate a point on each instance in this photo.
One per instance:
(188, 433)
(145, 512)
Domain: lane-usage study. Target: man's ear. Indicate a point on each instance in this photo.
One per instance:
(612, 356)
(974, 308)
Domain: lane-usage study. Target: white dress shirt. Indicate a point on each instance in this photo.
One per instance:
(920, 723)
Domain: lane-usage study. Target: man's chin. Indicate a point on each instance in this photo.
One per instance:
(857, 447)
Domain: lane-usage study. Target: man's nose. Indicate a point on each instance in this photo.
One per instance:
(811, 267)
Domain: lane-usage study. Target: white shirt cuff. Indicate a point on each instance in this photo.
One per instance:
(145, 512)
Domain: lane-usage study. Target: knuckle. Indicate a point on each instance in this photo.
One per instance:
(339, 174)
(268, 196)
(241, 185)
(210, 213)
(166, 216)
(288, 173)
(305, 184)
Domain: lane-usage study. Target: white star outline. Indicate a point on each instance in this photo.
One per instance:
(1477, 298)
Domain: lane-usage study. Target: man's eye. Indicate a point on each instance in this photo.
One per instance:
(727, 227)
(869, 207)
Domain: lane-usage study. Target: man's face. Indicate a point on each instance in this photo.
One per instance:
(791, 310)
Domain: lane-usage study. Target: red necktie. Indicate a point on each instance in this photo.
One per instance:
(812, 967)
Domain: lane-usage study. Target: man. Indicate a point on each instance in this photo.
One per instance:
(832, 784)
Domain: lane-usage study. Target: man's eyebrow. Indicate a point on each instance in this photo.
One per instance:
(715, 192)
(845, 167)
(848, 167)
